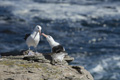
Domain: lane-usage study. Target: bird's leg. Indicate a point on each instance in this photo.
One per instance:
(30, 53)
(35, 49)
(29, 49)
(36, 53)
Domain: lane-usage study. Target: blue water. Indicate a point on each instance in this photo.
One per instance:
(88, 29)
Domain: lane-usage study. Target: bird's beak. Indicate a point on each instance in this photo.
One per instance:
(44, 35)
(39, 31)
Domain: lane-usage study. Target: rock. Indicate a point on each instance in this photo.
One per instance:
(45, 57)
(79, 69)
(39, 58)
(39, 67)
(25, 52)
(20, 69)
(9, 79)
(59, 62)
(84, 72)
(13, 57)
(68, 58)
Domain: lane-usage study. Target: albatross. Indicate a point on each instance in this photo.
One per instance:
(33, 39)
(58, 51)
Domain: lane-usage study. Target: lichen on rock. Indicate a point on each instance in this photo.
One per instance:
(39, 67)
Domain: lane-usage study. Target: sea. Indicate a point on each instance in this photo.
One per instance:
(88, 29)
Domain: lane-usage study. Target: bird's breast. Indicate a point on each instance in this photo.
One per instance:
(37, 37)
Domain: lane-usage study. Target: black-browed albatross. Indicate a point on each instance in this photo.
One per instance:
(33, 39)
(57, 49)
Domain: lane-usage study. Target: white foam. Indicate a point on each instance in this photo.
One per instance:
(5, 3)
(101, 66)
(118, 64)
(22, 8)
(116, 57)
(98, 68)
(99, 72)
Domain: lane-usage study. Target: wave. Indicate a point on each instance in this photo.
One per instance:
(104, 67)
(28, 10)
(88, 29)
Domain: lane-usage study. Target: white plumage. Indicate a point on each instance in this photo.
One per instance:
(51, 41)
(34, 38)
(58, 56)
(56, 48)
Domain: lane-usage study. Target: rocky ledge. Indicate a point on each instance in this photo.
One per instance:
(39, 67)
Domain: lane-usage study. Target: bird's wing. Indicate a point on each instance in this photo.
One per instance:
(58, 49)
(26, 36)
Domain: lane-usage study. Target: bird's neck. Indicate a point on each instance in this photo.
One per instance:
(53, 44)
(34, 33)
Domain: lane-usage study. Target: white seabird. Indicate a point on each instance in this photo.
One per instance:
(57, 49)
(33, 39)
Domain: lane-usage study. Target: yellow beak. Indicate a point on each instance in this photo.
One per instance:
(44, 35)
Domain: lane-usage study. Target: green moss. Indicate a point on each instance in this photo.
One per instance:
(49, 70)
(29, 65)
(20, 63)
(7, 63)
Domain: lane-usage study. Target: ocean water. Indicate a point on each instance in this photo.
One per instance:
(88, 29)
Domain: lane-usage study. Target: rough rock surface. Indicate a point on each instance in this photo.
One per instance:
(39, 68)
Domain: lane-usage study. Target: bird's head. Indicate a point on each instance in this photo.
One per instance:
(38, 28)
(50, 40)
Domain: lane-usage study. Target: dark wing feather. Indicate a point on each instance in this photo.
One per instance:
(26, 36)
(57, 49)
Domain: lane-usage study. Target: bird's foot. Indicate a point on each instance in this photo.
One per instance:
(37, 53)
(30, 53)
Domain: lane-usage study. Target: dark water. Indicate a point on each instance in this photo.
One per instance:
(88, 29)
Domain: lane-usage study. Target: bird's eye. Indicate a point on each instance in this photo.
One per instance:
(38, 27)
